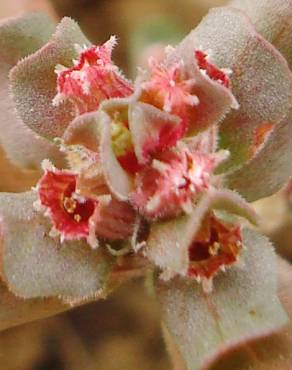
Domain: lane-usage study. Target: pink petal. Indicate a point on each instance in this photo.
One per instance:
(92, 79)
(152, 130)
(171, 181)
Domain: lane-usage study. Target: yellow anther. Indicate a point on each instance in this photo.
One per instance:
(77, 217)
(70, 204)
(214, 249)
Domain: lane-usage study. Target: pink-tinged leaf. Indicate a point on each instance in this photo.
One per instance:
(272, 19)
(270, 169)
(33, 82)
(272, 352)
(215, 99)
(34, 264)
(152, 130)
(261, 79)
(242, 305)
(18, 38)
(16, 311)
(169, 241)
(117, 179)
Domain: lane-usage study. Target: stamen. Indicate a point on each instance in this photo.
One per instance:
(70, 205)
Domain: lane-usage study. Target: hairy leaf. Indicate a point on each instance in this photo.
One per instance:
(20, 37)
(271, 352)
(33, 82)
(272, 19)
(261, 80)
(242, 305)
(168, 242)
(272, 166)
(270, 169)
(34, 264)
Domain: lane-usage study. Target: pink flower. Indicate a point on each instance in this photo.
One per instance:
(93, 79)
(168, 185)
(170, 89)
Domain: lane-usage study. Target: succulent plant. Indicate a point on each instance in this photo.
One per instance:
(151, 176)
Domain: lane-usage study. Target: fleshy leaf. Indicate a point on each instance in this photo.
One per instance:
(271, 352)
(169, 241)
(261, 80)
(34, 264)
(272, 19)
(15, 311)
(18, 38)
(270, 169)
(242, 305)
(33, 82)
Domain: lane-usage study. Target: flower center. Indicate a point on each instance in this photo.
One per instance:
(78, 208)
(122, 144)
(217, 245)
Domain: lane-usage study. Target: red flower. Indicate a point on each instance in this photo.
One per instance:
(93, 79)
(72, 216)
(218, 244)
(75, 216)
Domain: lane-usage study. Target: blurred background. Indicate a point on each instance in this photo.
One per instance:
(122, 333)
